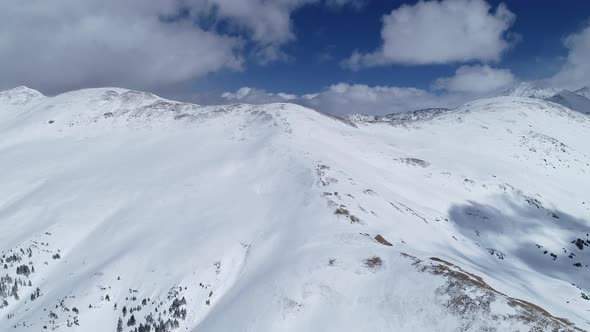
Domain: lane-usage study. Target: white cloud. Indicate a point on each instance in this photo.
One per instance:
(268, 21)
(64, 44)
(437, 32)
(575, 73)
(254, 96)
(59, 45)
(343, 98)
(479, 79)
(287, 96)
(240, 94)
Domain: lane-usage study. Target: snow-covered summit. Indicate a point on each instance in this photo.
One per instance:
(122, 208)
(530, 90)
(19, 95)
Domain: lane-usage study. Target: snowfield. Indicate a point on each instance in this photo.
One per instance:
(123, 211)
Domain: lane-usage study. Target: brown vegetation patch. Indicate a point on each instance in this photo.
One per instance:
(342, 211)
(460, 283)
(373, 262)
(379, 238)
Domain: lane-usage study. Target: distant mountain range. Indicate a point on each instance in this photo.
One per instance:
(577, 100)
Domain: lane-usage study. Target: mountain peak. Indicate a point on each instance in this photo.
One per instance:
(22, 89)
(20, 95)
(529, 90)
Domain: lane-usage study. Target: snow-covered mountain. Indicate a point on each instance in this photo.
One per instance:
(577, 100)
(530, 90)
(123, 211)
(19, 96)
(584, 92)
(572, 101)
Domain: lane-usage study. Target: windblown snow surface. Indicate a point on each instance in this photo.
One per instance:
(122, 208)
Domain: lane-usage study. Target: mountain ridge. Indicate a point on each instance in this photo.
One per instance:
(278, 217)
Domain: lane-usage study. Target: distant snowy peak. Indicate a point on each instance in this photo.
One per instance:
(20, 95)
(571, 100)
(418, 115)
(584, 92)
(91, 105)
(577, 100)
(529, 90)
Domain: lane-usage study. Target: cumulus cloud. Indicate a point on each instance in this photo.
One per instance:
(343, 99)
(576, 70)
(438, 32)
(479, 79)
(65, 44)
(254, 96)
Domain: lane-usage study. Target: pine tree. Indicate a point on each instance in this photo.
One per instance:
(15, 291)
(120, 325)
(131, 321)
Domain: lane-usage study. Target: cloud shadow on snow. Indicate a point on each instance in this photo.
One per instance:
(526, 231)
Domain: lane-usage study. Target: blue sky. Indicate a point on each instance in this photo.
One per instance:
(338, 56)
(327, 36)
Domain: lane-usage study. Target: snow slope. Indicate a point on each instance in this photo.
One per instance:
(117, 204)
